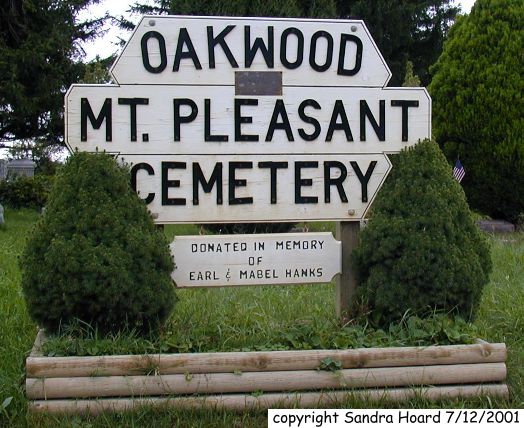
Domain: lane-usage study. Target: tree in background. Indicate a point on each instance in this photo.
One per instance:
(409, 30)
(281, 8)
(410, 79)
(97, 70)
(40, 57)
(477, 105)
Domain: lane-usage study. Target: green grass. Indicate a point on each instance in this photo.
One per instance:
(252, 318)
(17, 332)
(260, 319)
(501, 315)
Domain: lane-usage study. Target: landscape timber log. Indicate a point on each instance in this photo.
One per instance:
(241, 402)
(210, 383)
(223, 362)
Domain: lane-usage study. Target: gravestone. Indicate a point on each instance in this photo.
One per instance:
(496, 226)
(21, 168)
(1, 215)
(3, 169)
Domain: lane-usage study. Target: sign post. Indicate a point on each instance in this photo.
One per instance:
(226, 119)
(347, 233)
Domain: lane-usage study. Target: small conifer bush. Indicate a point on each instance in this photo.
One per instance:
(95, 254)
(421, 250)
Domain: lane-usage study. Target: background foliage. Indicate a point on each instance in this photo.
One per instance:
(237, 228)
(408, 30)
(421, 250)
(40, 56)
(25, 192)
(477, 105)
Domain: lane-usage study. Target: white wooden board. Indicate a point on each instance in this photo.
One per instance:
(155, 122)
(299, 187)
(206, 108)
(156, 33)
(235, 260)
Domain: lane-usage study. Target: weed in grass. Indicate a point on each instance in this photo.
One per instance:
(330, 364)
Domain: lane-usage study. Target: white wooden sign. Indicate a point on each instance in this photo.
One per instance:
(258, 188)
(250, 119)
(160, 120)
(191, 50)
(234, 260)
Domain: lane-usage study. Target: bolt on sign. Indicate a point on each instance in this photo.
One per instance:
(250, 119)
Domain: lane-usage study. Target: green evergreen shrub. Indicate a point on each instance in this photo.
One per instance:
(95, 255)
(477, 105)
(421, 250)
(25, 192)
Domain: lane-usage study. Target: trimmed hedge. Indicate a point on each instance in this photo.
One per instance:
(95, 255)
(421, 250)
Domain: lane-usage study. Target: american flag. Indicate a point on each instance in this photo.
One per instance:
(458, 171)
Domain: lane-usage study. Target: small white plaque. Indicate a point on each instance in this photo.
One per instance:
(262, 259)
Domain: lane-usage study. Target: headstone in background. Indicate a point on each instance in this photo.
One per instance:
(496, 226)
(1, 215)
(21, 168)
(3, 169)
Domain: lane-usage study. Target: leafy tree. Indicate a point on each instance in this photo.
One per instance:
(421, 250)
(282, 8)
(97, 71)
(411, 29)
(39, 58)
(477, 105)
(95, 255)
(429, 30)
(410, 79)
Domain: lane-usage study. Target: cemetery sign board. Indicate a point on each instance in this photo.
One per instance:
(250, 119)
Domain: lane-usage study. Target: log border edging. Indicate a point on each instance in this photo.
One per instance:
(229, 379)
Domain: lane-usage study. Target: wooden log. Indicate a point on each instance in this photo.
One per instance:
(223, 362)
(209, 383)
(242, 402)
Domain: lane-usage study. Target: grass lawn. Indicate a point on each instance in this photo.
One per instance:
(253, 318)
